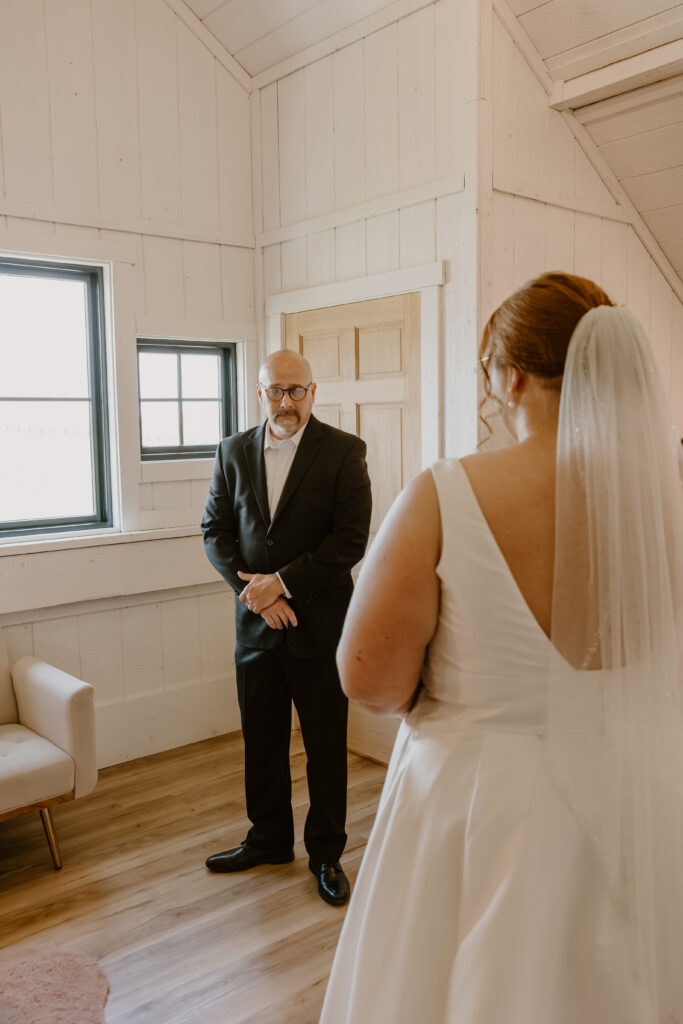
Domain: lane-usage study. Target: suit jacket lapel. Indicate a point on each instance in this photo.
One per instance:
(305, 453)
(253, 453)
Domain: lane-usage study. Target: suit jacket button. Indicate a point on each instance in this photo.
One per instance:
(270, 543)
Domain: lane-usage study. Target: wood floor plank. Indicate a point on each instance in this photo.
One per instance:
(180, 945)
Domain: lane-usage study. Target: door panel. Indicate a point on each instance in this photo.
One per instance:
(365, 358)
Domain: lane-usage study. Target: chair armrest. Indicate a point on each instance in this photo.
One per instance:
(61, 709)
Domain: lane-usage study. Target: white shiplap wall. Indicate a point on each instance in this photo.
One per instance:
(363, 156)
(124, 139)
(551, 210)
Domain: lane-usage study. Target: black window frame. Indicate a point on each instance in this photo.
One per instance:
(228, 395)
(100, 463)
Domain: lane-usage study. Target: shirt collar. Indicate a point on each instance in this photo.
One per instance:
(275, 442)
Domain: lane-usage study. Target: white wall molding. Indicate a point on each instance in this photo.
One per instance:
(641, 35)
(513, 186)
(509, 19)
(372, 286)
(50, 247)
(631, 73)
(647, 94)
(196, 330)
(369, 208)
(633, 217)
(109, 604)
(128, 225)
(199, 29)
(373, 23)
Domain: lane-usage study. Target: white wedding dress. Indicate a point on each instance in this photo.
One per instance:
(481, 899)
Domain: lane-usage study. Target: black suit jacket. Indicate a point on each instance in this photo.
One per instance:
(318, 532)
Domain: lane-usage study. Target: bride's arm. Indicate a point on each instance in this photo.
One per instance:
(394, 609)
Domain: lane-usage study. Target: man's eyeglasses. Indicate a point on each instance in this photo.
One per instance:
(296, 393)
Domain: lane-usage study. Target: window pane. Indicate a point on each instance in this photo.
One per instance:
(200, 374)
(43, 337)
(158, 374)
(159, 424)
(45, 460)
(201, 422)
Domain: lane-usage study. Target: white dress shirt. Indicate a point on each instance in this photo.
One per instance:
(278, 456)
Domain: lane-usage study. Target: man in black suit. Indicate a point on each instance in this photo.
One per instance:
(286, 519)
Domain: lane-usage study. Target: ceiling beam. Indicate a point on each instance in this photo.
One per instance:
(624, 75)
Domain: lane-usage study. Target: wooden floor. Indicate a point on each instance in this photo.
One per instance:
(180, 945)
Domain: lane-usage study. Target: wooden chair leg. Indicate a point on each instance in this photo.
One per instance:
(51, 835)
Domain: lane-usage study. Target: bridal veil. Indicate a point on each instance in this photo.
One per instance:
(615, 706)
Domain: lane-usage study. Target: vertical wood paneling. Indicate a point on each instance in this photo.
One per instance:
(101, 651)
(292, 134)
(559, 239)
(164, 283)
(272, 271)
(237, 276)
(142, 649)
(202, 275)
(530, 106)
(270, 159)
(233, 129)
(116, 101)
(19, 640)
(560, 150)
(350, 250)
(199, 490)
(197, 122)
(321, 257)
(587, 182)
(381, 112)
(614, 276)
(450, 70)
(181, 644)
(56, 641)
(638, 279)
(418, 234)
(587, 246)
(661, 316)
(349, 137)
(417, 136)
(68, 31)
(503, 99)
(158, 109)
(217, 634)
(383, 242)
(503, 250)
(319, 132)
(529, 240)
(677, 365)
(294, 260)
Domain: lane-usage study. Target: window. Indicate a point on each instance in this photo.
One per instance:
(54, 459)
(187, 398)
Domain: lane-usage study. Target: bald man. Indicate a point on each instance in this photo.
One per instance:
(287, 518)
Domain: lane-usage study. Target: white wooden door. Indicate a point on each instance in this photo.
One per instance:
(365, 358)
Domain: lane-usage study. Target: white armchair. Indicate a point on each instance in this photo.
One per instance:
(47, 740)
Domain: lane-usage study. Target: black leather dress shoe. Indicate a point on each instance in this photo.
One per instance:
(243, 857)
(333, 885)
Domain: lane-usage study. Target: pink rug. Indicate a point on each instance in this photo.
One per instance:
(40, 985)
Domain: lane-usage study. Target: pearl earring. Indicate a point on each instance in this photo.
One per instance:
(510, 404)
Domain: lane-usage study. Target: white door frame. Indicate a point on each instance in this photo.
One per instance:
(427, 279)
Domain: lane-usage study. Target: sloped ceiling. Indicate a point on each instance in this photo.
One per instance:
(616, 64)
(261, 33)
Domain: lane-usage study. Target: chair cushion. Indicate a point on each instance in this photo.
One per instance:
(31, 768)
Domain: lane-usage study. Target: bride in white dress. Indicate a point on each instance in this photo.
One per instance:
(526, 862)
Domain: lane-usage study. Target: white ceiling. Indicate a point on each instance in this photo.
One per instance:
(262, 33)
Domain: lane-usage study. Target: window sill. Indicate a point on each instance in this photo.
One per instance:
(22, 546)
(176, 469)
